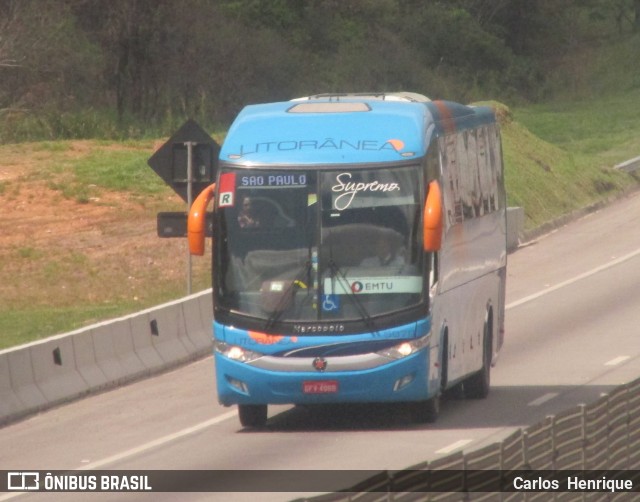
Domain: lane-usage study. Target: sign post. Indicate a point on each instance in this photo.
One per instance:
(189, 145)
(187, 162)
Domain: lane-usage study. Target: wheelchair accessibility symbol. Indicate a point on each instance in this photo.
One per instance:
(330, 303)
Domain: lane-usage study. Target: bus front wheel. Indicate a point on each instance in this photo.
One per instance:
(252, 415)
(426, 412)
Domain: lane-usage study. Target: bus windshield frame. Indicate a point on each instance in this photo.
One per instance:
(330, 250)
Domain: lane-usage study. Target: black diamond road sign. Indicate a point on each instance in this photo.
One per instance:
(170, 160)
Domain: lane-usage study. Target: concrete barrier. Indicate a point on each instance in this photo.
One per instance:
(10, 405)
(54, 370)
(141, 337)
(629, 166)
(198, 330)
(85, 356)
(115, 354)
(169, 335)
(23, 381)
(206, 312)
(45, 373)
(515, 227)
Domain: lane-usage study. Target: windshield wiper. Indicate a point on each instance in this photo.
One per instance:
(362, 310)
(289, 292)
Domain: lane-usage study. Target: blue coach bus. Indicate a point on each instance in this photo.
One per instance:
(359, 253)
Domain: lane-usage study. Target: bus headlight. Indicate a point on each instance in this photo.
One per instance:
(236, 353)
(405, 349)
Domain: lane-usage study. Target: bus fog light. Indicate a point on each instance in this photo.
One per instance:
(401, 383)
(236, 353)
(238, 384)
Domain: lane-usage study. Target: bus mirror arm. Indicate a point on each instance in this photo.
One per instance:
(432, 221)
(197, 220)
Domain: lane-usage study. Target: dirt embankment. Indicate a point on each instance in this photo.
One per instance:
(58, 250)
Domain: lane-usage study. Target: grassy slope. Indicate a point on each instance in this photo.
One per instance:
(78, 240)
(560, 157)
(80, 245)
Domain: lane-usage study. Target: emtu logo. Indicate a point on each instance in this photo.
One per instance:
(356, 287)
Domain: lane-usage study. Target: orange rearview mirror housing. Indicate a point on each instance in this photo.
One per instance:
(432, 221)
(197, 220)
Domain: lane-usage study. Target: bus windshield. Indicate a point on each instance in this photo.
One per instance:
(313, 246)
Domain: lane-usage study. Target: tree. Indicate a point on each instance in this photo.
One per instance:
(128, 33)
(44, 57)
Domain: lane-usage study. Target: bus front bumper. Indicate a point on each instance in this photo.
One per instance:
(361, 379)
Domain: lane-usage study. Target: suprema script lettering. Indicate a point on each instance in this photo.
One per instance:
(349, 189)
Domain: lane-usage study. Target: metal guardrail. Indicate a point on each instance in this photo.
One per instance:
(598, 437)
(629, 165)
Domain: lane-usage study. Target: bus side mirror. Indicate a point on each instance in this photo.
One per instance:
(432, 221)
(197, 220)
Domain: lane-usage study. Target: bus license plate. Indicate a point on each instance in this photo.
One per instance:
(320, 387)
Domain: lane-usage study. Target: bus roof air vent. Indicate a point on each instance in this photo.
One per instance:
(413, 97)
(329, 107)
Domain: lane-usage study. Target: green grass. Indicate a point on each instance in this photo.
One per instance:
(81, 179)
(560, 157)
(121, 171)
(23, 325)
(604, 130)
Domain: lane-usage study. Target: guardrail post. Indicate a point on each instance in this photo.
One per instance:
(525, 457)
(583, 418)
(554, 451)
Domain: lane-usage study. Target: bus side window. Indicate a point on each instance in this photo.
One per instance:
(451, 180)
(433, 159)
(475, 187)
(494, 165)
(484, 172)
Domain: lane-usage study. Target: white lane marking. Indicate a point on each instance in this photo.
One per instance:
(142, 448)
(617, 360)
(543, 399)
(454, 446)
(577, 278)
(158, 442)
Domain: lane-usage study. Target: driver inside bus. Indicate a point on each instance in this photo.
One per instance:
(247, 217)
(386, 255)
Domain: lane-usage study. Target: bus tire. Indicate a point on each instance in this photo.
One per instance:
(252, 415)
(426, 412)
(477, 385)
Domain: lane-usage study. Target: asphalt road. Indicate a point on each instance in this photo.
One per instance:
(572, 326)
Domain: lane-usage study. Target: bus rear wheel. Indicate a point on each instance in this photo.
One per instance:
(252, 415)
(477, 385)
